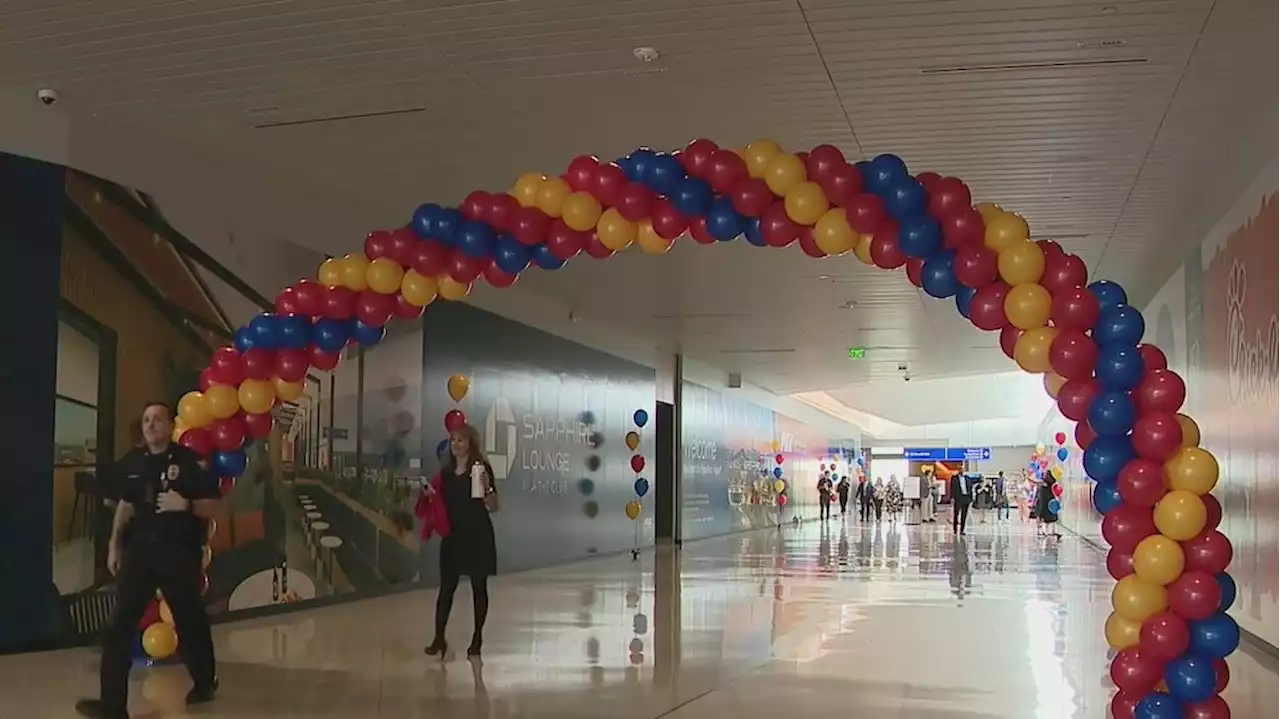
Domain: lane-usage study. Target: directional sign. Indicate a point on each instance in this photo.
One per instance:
(946, 454)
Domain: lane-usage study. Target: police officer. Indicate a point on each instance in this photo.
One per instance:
(166, 499)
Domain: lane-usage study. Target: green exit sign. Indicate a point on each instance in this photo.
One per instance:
(856, 353)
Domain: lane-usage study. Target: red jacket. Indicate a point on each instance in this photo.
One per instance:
(430, 509)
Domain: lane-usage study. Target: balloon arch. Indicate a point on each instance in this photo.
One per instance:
(1153, 482)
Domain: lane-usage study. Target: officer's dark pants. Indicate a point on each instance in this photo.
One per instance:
(175, 571)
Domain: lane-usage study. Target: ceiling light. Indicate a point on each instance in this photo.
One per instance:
(851, 304)
(645, 54)
(1110, 10)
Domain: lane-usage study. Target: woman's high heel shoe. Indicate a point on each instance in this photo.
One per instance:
(474, 649)
(437, 648)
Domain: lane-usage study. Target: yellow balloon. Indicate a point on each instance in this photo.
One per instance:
(1158, 560)
(178, 428)
(615, 231)
(833, 233)
(580, 211)
(221, 402)
(1032, 349)
(160, 640)
(1180, 515)
(384, 276)
(418, 290)
(783, 172)
(651, 243)
(1056, 471)
(526, 188)
(354, 268)
(206, 557)
(806, 203)
(166, 614)
(1122, 633)
(257, 396)
(862, 250)
(331, 272)
(286, 391)
(758, 154)
(988, 210)
(1136, 599)
(633, 509)
(1021, 263)
(1027, 306)
(1192, 469)
(1053, 383)
(551, 195)
(451, 289)
(1040, 448)
(193, 412)
(779, 486)
(459, 385)
(1190, 431)
(633, 440)
(775, 445)
(1005, 229)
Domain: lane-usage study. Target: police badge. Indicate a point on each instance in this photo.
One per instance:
(171, 475)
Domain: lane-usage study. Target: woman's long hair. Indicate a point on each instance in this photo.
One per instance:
(474, 452)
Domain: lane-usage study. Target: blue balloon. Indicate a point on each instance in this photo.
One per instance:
(642, 487)
(723, 222)
(753, 232)
(883, 171)
(368, 335)
(1118, 325)
(447, 225)
(919, 236)
(265, 331)
(1190, 678)
(243, 339)
(905, 198)
(293, 332)
(641, 418)
(543, 257)
(691, 197)
(777, 472)
(1112, 413)
(937, 277)
(442, 449)
(637, 164)
(229, 464)
(510, 255)
(1158, 705)
(474, 238)
(1106, 455)
(330, 335)
(627, 166)
(1215, 637)
(1108, 293)
(1106, 497)
(663, 173)
(1062, 454)
(964, 297)
(1228, 587)
(1119, 367)
(424, 220)
(1055, 506)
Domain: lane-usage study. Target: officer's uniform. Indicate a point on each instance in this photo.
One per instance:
(162, 551)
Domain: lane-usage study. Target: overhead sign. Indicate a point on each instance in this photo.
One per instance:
(947, 454)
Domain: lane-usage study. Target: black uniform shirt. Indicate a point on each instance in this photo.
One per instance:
(144, 476)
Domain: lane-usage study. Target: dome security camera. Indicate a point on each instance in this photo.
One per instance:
(48, 96)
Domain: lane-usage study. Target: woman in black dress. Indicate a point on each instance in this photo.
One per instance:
(1047, 518)
(469, 548)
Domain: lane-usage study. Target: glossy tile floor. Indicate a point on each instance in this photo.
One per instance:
(825, 620)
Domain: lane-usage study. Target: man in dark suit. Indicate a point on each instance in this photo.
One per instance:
(961, 497)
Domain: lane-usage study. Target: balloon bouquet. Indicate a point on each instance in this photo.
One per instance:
(779, 484)
(158, 639)
(641, 485)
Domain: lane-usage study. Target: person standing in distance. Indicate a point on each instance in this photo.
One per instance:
(165, 501)
(961, 497)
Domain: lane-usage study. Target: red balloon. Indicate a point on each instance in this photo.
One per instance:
(865, 213)
(496, 277)
(403, 244)
(454, 419)
(377, 244)
(1157, 436)
(292, 365)
(1060, 437)
(563, 241)
(1213, 512)
(502, 212)
(1074, 397)
(1125, 704)
(777, 229)
(257, 363)
(199, 441)
(529, 226)
(225, 485)
(1195, 595)
(667, 220)
(975, 266)
(404, 310)
(610, 179)
(962, 227)
(1072, 354)
(224, 367)
(822, 161)
(634, 202)
(841, 184)
(1214, 707)
(928, 179)
(1152, 357)
(581, 174)
(1009, 339)
(340, 303)
(206, 380)
(228, 434)
(1084, 435)
(724, 170)
(884, 248)
(596, 248)
(1074, 309)
(637, 463)
(1164, 636)
(257, 426)
(1125, 526)
(308, 298)
(696, 157)
(475, 206)
(1210, 552)
(1063, 272)
(915, 266)
(322, 360)
(1119, 564)
(698, 231)
(948, 196)
(809, 244)
(286, 303)
(375, 309)
(1223, 675)
(428, 258)
(1133, 671)
(1049, 247)
(751, 197)
(464, 269)
(986, 309)
(1141, 483)
(1161, 390)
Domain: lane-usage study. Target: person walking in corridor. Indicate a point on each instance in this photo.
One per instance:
(842, 491)
(862, 495)
(961, 497)
(824, 497)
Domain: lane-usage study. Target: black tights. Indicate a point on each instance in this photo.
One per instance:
(479, 601)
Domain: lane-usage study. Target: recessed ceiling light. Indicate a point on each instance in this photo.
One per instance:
(824, 277)
(1110, 9)
(851, 304)
(645, 54)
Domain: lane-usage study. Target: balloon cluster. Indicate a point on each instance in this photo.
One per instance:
(458, 385)
(159, 640)
(641, 418)
(1042, 463)
(779, 484)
